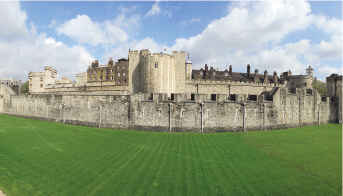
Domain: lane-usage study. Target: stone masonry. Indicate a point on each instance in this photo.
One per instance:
(160, 92)
(157, 112)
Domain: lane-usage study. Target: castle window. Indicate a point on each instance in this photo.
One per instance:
(226, 74)
(214, 73)
(41, 85)
(208, 113)
(90, 72)
(118, 74)
(200, 73)
(124, 67)
(106, 78)
(118, 67)
(94, 78)
(30, 85)
(90, 79)
(111, 70)
(159, 113)
(41, 79)
(118, 81)
(156, 65)
(305, 84)
(94, 72)
(283, 114)
(124, 74)
(143, 112)
(105, 70)
(31, 79)
(181, 114)
(124, 82)
(111, 77)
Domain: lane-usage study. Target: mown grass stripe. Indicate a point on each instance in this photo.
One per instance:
(44, 158)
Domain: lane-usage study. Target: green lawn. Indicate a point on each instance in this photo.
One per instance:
(44, 158)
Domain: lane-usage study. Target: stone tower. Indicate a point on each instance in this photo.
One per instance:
(158, 72)
(309, 71)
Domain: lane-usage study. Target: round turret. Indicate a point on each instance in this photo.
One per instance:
(309, 71)
(300, 81)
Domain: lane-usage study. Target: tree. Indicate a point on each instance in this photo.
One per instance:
(319, 86)
(25, 87)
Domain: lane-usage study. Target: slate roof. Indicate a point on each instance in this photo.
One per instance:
(236, 76)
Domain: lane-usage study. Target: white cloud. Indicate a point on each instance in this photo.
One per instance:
(12, 21)
(326, 71)
(155, 10)
(329, 26)
(254, 26)
(53, 23)
(191, 21)
(122, 50)
(25, 51)
(128, 24)
(84, 30)
(52, 41)
(125, 10)
(251, 33)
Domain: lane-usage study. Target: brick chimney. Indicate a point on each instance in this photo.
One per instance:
(266, 81)
(256, 78)
(275, 77)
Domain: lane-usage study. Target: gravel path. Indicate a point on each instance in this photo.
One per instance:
(2, 193)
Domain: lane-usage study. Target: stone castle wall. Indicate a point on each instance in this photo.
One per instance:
(152, 112)
(227, 87)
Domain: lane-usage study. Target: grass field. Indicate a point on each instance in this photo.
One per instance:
(45, 158)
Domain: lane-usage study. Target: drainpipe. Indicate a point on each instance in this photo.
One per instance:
(64, 113)
(99, 116)
(202, 117)
(264, 116)
(229, 90)
(244, 116)
(300, 111)
(170, 106)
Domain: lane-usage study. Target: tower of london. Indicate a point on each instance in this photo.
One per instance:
(161, 92)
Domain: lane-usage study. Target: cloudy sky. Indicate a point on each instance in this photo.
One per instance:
(268, 35)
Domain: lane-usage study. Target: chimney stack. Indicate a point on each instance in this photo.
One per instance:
(248, 72)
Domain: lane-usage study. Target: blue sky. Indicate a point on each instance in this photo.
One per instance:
(268, 35)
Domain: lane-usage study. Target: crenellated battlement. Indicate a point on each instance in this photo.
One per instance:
(177, 112)
(228, 82)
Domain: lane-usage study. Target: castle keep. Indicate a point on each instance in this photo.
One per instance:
(161, 92)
